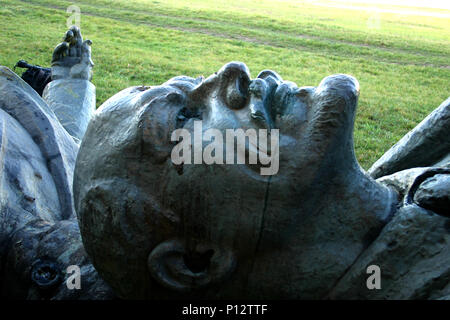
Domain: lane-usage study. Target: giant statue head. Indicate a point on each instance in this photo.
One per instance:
(158, 228)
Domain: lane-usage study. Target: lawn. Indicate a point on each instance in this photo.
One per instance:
(402, 61)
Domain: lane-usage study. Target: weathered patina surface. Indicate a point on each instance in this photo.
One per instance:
(155, 229)
(70, 94)
(159, 230)
(39, 233)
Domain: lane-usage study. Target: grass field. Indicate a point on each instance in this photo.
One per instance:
(402, 61)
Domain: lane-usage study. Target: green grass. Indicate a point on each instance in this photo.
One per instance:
(403, 66)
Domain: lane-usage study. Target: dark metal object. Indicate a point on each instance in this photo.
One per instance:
(37, 77)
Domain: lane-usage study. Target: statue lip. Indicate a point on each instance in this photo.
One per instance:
(287, 102)
(280, 94)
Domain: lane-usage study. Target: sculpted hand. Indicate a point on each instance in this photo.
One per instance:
(72, 57)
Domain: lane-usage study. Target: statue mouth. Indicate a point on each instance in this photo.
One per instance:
(275, 103)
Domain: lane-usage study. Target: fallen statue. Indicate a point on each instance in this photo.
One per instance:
(153, 228)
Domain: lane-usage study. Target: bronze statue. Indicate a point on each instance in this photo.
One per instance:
(152, 227)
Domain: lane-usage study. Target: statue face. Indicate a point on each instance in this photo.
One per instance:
(158, 229)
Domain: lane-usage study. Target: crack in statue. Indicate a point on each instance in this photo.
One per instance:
(153, 229)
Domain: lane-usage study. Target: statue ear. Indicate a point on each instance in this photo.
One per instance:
(173, 267)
